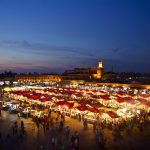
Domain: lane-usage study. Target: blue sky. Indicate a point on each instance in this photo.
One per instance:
(55, 35)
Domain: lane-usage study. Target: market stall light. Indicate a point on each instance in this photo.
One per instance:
(138, 111)
(7, 89)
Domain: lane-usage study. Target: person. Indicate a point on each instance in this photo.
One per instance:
(0, 136)
(15, 127)
(56, 143)
(7, 137)
(56, 119)
(53, 143)
(77, 135)
(0, 109)
(19, 115)
(61, 125)
(128, 131)
(44, 126)
(51, 122)
(72, 140)
(22, 126)
(20, 136)
(63, 117)
(104, 143)
(76, 140)
(85, 124)
(83, 117)
(13, 130)
(76, 144)
(47, 125)
(49, 114)
(37, 124)
(58, 116)
(67, 131)
(94, 126)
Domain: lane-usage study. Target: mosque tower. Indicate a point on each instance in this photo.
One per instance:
(100, 64)
(100, 70)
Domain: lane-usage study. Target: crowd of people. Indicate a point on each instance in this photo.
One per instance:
(59, 130)
(17, 132)
(60, 133)
(57, 124)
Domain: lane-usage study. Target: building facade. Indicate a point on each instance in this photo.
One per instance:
(84, 73)
(38, 78)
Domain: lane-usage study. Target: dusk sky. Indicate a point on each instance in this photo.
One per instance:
(55, 35)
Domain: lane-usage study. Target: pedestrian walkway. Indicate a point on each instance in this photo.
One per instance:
(34, 140)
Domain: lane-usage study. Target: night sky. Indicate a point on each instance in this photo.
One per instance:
(55, 35)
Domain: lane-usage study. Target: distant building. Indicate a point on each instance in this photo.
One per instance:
(84, 73)
(7, 76)
(38, 78)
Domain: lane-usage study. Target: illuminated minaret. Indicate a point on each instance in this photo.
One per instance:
(99, 70)
(100, 64)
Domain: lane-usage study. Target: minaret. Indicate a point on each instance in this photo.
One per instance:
(100, 70)
(100, 64)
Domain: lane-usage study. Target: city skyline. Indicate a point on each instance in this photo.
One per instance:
(48, 36)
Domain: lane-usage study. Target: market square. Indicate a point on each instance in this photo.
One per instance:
(96, 115)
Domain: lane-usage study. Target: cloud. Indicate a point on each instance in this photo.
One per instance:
(44, 49)
(23, 63)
